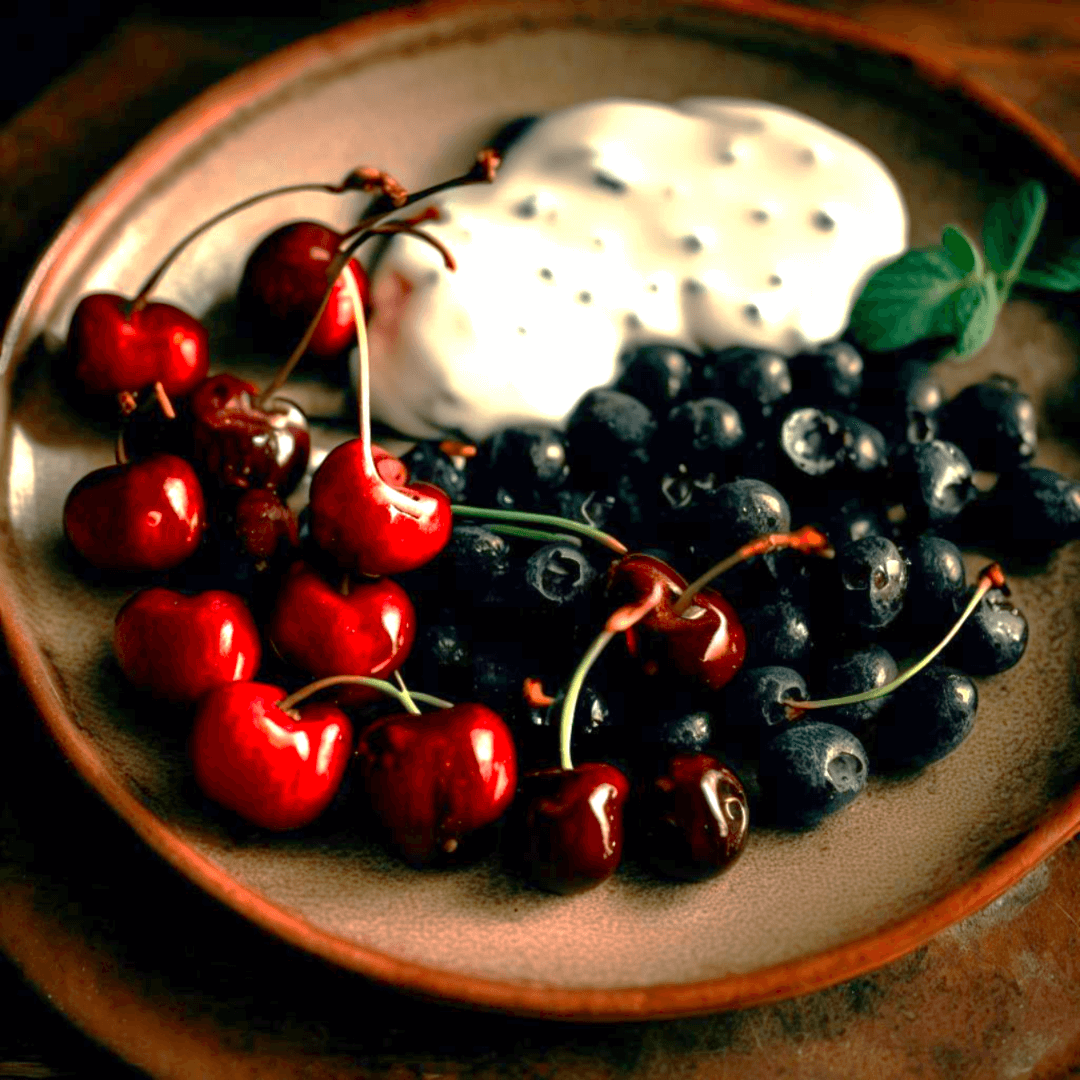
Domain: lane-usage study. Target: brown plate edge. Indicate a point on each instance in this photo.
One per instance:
(1060, 822)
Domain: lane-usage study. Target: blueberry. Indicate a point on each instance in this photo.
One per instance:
(812, 442)
(831, 375)
(872, 577)
(936, 580)
(757, 382)
(808, 771)
(993, 639)
(933, 481)
(657, 375)
(928, 717)
(753, 700)
(700, 434)
(588, 507)
(745, 509)
(854, 672)
(442, 657)
(469, 568)
(607, 431)
(428, 462)
(865, 454)
(853, 519)
(1030, 512)
(528, 462)
(993, 423)
(778, 633)
(557, 576)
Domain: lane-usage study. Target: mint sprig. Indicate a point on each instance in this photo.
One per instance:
(951, 291)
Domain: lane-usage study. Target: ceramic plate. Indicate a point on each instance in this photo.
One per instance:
(417, 92)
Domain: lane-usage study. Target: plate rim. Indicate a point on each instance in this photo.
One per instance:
(1059, 822)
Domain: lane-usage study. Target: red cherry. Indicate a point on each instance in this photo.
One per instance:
(369, 631)
(245, 445)
(263, 526)
(369, 519)
(705, 642)
(435, 778)
(275, 769)
(694, 818)
(178, 647)
(143, 516)
(284, 283)
(569, 829)
(116, 349)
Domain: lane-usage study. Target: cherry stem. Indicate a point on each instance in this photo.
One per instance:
(358, 180)
(618, 622)
(532, 690)
(535, 534)
(164, 401)
(482, 171)
(808, 540)
(297, 354)
(573, 691)
(405, 690)
(412, 505)
(991, 577)
(381, 685)
(542, 519)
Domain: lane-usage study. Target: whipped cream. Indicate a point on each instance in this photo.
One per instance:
(712, 223)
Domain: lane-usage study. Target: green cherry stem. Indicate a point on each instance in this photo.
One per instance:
(618, 622)
(990, 577)
(808, 540)
(405, 691)
(526, 518)
(381, 685)
(535, 534)
(573, 692)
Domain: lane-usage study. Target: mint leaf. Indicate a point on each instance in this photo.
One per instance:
(908, 300)
(1060, 273)
(975, 310)
(1010, 229)
(961, 250)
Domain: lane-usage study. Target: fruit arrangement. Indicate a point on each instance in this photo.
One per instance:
(547, 595)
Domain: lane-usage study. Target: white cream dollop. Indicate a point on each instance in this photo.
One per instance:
(712, 223)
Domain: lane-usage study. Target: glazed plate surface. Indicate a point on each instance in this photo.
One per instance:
(418, 95)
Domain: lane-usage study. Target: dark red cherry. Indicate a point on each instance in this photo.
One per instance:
(263, 525)
(369, 518)
(435, 778)
(117, 349)
(706, 642)
(275, 769)
(146, 515)
(568, 828)
(178, 647)
(693, 818)
(284, 283)
(367, 631)
(245, 445)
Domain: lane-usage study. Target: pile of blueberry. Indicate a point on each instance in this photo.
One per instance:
(687, 458)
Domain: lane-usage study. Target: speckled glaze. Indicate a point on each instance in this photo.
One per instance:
(796, 912)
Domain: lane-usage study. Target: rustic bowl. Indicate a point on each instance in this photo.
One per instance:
(417, 91)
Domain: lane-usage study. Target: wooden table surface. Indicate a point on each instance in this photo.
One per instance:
(127, 950)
